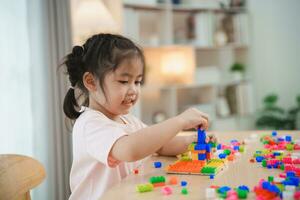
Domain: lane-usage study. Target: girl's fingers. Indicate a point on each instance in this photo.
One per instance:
(204, 124)
(113, 162)
(204, 115)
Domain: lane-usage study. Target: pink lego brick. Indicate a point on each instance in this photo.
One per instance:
(167, 190)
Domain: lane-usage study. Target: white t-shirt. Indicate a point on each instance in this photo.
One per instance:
(93, 137)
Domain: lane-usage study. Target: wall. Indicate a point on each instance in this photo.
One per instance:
(275, 49)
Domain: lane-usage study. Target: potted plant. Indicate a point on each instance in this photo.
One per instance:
(294, 114)
(238, 71)
(272, 116)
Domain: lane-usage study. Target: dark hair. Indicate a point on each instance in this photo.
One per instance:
(100, 54)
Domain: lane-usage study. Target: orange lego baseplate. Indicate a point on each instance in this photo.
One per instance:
(196, 167)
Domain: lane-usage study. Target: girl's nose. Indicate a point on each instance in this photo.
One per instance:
(133, 89)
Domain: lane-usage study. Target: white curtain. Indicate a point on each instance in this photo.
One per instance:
(34, 36)
(16, 135)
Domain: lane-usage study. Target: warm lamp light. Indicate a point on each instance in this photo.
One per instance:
(173, 64)
(92, 17)
(170, 65)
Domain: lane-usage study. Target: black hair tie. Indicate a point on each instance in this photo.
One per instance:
(77, 51)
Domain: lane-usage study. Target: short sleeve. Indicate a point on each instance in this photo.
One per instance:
(134, 120)
(100, 137)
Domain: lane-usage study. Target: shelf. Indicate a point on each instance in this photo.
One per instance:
(228, 46)
(188, 86)
(200, 48)
(155, 7)
(183, 8)
(167, 25)
(196, 8)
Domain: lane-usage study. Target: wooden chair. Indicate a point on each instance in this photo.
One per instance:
(18, 175)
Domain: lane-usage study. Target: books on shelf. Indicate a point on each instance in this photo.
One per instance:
(131, 19)
(204, 29)
(240, 98)
(141, 2)
(203, 4)
(241, 29)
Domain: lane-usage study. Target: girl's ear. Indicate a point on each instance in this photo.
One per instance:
(89, 82)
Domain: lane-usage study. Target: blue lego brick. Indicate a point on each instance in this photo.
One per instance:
(222, 155)
(157, 164)
(288, 138)
(183, 183)
(201, 136)
(276, 153)
(219, 146)
(294, 180)
(200, 147)
(274, 133)
(244, 187)
(274, 189)
(208, 148)
(259, 158)
(236, 148)
(201, 156)
(266, 185)
(224, 189)
(290, 174)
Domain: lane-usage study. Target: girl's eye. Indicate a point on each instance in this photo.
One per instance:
(123, 82)
(138, 82)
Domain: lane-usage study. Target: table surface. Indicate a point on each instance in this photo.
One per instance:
(238, 172)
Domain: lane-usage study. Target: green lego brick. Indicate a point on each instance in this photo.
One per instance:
(184, 191)
(242, 194)
(227, 151)
(144, 187)
(242, 148)
(208, 170)
(157, 179)
(270, 178)
(264, 163)
(290, 147)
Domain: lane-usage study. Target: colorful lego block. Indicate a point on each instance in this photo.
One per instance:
(183, 183)
(135, 171)
(157, 164)
(144, 187)
(200, 147)
(173, 180)
(202, 156)
(167, 190)
(184, 191)
(157, 179)
(201, 136)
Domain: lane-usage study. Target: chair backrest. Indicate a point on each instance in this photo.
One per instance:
(18, 175)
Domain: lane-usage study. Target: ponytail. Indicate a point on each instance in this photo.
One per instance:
(70, 105)
(75, 70)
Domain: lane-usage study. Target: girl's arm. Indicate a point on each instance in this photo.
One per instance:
(149, 140)
(178, 145)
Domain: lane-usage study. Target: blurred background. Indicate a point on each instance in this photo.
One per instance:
(237, 60)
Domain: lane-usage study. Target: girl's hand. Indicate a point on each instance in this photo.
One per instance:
(193, 118)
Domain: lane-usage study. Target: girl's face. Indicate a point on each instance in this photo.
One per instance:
(122, 88)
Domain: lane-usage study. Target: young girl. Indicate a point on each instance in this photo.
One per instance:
(106, 72)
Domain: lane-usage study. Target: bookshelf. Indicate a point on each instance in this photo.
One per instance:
(220, 36)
